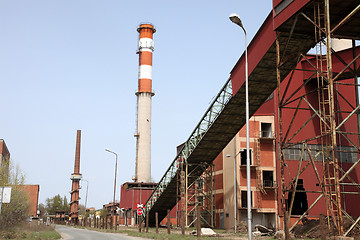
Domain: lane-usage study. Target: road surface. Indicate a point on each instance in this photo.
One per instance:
(70, 233)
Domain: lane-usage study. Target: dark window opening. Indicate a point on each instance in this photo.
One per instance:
(266, 130)
(268, 178)
(244, 199)
(300, 200)
(243, 157)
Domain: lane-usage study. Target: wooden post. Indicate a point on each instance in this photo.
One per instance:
(139, 222)
(89, 222)
(322, 227)
(110, 222)
(126, 218)
(198, 221)
(157, 222)
(116, 222)
(147, 221)
(168, 221)
(286, 225)
(182, 222)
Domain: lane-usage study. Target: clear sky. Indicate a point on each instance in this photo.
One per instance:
(67, 65)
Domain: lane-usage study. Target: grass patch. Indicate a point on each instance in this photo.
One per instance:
(30, 231)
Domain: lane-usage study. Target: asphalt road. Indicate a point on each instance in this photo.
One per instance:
(70, 233)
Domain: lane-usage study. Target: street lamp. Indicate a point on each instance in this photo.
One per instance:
(235, 186)
(87, 188)
(236, 19)
(113, 207)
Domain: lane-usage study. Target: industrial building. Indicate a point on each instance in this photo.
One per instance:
(265, 173)
(30, 190)
(304, 128)
(4, 155)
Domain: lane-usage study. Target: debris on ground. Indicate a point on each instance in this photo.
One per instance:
(264, 230)
(207, 232)
(256, 234)
(312, 228)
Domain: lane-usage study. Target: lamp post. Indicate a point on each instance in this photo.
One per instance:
(87, 188)
(235, 186)
(113, 207)
(236, 19)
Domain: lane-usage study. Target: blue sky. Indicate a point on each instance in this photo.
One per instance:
(68, 65)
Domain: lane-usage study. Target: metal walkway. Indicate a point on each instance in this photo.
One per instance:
(226, 115)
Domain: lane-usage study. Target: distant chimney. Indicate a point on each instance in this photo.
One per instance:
(75, 178)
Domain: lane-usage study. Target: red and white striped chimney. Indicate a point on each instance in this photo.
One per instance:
(144, 95)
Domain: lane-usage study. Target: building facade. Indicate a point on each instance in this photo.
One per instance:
(32, 191)
(4, 158)
(263, 174)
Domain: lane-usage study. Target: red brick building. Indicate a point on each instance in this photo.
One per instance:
(4, 156)
(32, 192)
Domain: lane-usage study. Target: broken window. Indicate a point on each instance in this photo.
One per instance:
(268, 178)
(266, 130)
(243, 157)
(244, 199)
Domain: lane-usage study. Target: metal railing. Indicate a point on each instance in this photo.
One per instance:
(269, 184)
(203, 126)
(267, 134)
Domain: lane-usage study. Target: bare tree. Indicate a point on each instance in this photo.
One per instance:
(15, 212)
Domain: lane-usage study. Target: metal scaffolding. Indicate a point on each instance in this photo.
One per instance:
(325, 150)
(199, 192)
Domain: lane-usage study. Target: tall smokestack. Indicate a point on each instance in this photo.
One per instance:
(144, 95)
(75, 178)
